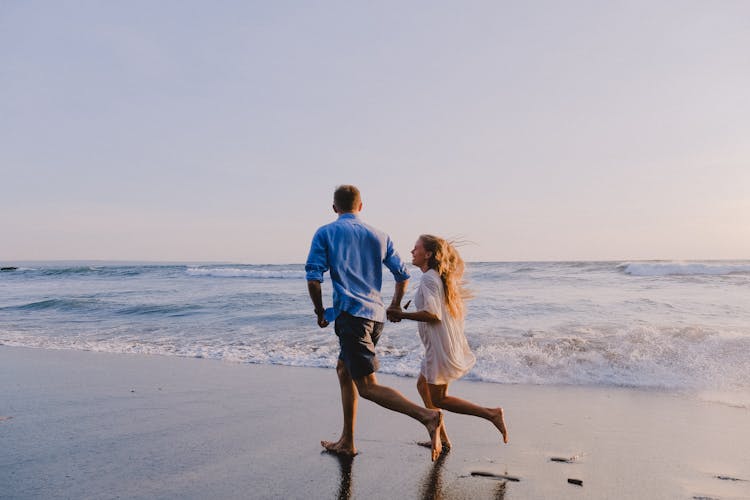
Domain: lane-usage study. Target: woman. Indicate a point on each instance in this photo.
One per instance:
(440, 312)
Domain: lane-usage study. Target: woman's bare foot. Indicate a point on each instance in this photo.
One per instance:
(434, 427)
(444, 438)
(339, 448)
(499, 421)
(428, 444)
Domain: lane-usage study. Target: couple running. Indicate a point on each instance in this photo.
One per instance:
(354, 253)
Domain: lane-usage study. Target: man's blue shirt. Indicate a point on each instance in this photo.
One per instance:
(354, 253)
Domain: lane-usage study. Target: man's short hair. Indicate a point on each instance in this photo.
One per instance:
(346, 198)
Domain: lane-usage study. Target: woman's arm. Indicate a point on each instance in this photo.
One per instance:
(424, 316)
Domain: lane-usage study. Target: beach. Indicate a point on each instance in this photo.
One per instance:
(76, 424)
(177, 213)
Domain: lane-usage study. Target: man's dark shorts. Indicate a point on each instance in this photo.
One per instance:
(358, 338)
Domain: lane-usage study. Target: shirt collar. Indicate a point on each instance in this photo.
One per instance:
(348, 215)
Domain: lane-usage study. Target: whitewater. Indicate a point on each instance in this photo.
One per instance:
(656, 325)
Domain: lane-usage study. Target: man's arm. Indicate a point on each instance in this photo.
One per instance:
(317, 264)
(398, 295)
(396, 266)
(316, 294)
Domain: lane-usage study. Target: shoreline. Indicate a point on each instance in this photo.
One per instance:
(101, 425)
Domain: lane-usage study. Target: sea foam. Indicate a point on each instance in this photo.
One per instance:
(683, 326)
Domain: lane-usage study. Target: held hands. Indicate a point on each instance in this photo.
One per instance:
(394, 313)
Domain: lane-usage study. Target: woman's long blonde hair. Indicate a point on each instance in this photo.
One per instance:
(449, 265)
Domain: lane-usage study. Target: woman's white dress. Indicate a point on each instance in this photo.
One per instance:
(447, 354)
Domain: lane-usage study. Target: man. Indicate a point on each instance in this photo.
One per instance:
(354, 253)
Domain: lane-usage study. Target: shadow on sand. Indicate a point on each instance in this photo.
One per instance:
(345, 475)
(432, 486)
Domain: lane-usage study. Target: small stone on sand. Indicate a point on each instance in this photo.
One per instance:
(729, 478)
(496, 476)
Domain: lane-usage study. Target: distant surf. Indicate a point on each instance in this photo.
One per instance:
(246, 272)
(683, 268)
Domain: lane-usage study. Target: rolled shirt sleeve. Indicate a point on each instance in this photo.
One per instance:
(317, 259)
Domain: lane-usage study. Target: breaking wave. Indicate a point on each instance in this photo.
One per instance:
(683, 269)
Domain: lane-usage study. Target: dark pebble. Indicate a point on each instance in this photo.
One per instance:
(498, 476)
(729, 478)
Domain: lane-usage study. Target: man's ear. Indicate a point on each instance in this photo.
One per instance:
(335, 209)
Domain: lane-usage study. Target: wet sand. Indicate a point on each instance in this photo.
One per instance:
(96, 425)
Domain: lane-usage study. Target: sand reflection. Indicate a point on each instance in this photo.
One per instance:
(432, 483)
(345, 476)
(434, 486)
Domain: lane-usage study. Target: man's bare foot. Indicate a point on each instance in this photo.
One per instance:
(339, 448)
(499, 422)
(434, 426)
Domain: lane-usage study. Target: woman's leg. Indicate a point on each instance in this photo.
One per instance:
(439, 397)
(424, 391)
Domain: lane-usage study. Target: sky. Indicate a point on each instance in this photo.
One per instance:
(217, 131)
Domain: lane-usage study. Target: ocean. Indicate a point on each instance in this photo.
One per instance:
(650, 324)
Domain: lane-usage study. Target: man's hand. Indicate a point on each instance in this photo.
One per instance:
(322, 321)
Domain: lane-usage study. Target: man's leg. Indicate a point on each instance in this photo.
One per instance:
(387, 397)
(345, 444)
